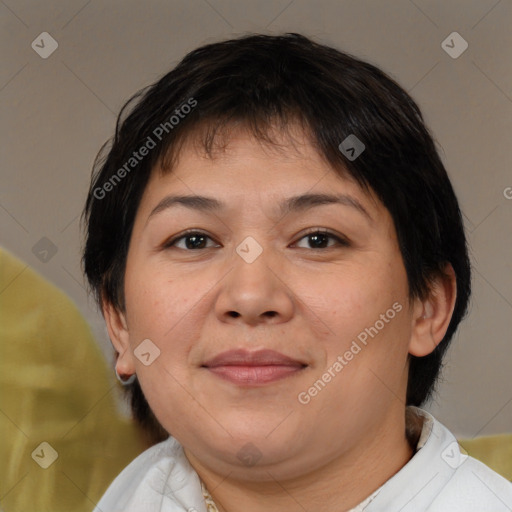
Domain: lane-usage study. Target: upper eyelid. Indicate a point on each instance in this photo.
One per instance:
(172, 240)
(342, 239)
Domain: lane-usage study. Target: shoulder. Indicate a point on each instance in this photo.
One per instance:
(160, 473)
(474, 487)
(440, 478)
(467, 484)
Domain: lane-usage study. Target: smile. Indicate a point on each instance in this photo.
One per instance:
(242, 367)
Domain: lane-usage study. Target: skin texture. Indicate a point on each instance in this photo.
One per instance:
(305, 302)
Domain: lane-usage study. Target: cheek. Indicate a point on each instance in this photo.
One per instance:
(367, 313)
(352, 301)
(155, 300)
(367, 371)
(169, 310)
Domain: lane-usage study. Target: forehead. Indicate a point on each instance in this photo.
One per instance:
(244, 181)
(220, 142)
(241, 169)
(277, 156)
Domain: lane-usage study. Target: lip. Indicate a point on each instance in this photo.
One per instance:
(243, 367)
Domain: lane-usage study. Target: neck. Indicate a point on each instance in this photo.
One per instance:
(339, 485)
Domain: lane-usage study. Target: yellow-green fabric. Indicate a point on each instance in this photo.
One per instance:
(54, 388)
(494, 451)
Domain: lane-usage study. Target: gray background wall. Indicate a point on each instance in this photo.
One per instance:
(56, 113)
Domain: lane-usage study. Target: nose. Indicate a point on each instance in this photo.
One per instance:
(255, 293)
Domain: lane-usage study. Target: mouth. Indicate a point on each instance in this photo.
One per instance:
(246, 368)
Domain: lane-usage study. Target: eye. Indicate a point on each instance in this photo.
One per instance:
(196, 240)
(192, 240)
(319, 238)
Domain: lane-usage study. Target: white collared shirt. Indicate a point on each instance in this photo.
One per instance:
(438, 478)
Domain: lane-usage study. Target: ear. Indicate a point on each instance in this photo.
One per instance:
(119, 335)
(431, 317)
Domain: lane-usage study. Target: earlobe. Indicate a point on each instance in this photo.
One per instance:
(120, 337)
(431, 316)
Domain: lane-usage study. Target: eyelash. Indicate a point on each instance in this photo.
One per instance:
(342, 241)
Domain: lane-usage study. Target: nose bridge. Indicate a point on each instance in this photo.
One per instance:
(252, 267)
(252, 289)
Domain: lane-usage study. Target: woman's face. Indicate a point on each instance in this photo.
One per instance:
(254, 277)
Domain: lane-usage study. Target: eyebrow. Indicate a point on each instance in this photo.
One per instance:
(292, 204)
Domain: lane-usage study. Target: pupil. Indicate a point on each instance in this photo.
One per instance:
(197, 238)
(316, 239)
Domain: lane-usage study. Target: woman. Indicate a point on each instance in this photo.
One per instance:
(281, 262)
